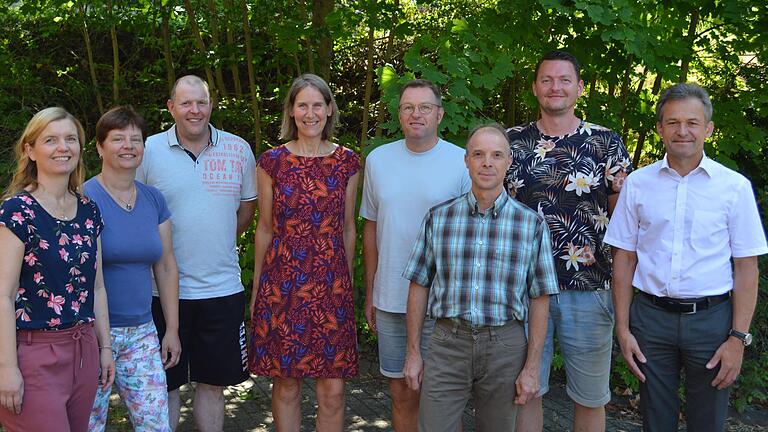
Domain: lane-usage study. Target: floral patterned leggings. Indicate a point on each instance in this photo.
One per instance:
(140, 380)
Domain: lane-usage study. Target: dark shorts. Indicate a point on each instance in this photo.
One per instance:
(212, 334)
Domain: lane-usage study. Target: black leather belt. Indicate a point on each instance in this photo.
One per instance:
(687, 306)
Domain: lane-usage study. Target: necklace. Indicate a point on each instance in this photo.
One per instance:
(60, 210)
(126, 204)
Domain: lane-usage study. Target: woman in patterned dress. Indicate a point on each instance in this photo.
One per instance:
(51, 288)
(302, 313)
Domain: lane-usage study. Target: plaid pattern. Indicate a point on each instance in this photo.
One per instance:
(482, 267)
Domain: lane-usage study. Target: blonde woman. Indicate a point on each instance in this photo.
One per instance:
(54, 326)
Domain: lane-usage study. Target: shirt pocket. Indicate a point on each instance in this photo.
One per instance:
(709, 231)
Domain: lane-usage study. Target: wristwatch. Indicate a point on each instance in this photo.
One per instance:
(746, 338)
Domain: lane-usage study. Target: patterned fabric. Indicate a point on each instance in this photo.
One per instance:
(482, 267)
(59, 268)
(139, 378)
(304, 320)
(567, 180)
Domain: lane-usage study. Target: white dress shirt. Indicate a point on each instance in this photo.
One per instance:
(685, 229)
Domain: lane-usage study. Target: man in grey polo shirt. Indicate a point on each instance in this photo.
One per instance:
(208, 179)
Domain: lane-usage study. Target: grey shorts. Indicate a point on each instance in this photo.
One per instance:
(392, 342)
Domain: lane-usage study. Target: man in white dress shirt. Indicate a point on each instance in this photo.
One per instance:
(687, 234)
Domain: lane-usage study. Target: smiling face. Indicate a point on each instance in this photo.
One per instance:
(310, 112)
(122, 149)
(683, 129)
(191, 109)
(56, 150)
(417, 126)
(488, 159)
(557, 87)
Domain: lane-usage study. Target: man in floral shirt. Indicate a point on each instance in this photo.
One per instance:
(570, 171)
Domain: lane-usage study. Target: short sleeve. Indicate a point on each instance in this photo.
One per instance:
(163, 212)
(351, 161)
(269, 161)
(248, 190)
(17, 216)
(745, 228)
(93, 219)
(369, 204)
(623, 227)
(421, 266)
(618, 164)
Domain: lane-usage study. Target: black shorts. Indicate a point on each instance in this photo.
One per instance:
(212, 334)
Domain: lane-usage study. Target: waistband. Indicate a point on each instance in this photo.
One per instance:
(687, 306)
(79, 331)
(459, 325)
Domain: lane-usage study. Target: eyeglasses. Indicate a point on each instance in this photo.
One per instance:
(424, 108)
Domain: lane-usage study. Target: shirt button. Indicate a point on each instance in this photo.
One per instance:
(480, 242)
(478, 264)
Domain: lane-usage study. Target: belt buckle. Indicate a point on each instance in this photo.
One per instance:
(694, 304)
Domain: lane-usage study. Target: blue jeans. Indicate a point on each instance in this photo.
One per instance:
(392, 342)
(583, 321)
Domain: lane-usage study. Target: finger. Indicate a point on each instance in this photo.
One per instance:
(17, 399)
(633, 367)
(638, 354)
(720, 378)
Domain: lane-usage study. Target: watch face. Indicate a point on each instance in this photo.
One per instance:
(747, 339)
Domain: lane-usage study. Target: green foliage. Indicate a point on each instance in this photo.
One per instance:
(481, 53)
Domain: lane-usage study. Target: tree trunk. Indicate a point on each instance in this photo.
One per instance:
(307, 44)
(115, 55)
(625, 97)
(368, 87)
(387, 58)
(690, 38)
(644, 132)
(216, 47)
(170, 71)
(89, 53)
(320, 11)
(511, 117)
(233, 66)
(251, 77)
(201, 47)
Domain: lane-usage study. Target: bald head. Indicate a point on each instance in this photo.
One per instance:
(483, 131)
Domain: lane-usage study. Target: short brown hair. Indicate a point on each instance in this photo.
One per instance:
(119, 117)
(288, 130)
(422, 83)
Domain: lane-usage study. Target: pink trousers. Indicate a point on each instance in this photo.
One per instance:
(61, 373)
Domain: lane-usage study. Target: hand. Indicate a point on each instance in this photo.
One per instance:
(370, 314)
(631, 351)
(107, 363)
(414, 370)
(527, 385)
(170, 349)
(11, 389)
(729, 356)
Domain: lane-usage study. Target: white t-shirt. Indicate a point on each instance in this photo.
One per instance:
(686, 229)
(203, 197)
(399, 187)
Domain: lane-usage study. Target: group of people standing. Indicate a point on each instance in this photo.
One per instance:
(474, 259)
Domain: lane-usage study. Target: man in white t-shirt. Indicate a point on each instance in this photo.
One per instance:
(403, 180)
(208, 178)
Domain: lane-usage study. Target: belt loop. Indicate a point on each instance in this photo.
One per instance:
(29, 337)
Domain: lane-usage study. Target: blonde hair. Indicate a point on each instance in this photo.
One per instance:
(26, 169)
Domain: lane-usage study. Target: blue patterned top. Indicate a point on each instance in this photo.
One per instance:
(59, 268)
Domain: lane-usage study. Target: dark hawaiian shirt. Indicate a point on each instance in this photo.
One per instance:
(567, 180)
(59, 267)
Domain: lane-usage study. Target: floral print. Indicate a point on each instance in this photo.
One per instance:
(568, 179)
(59, 267)
(139, 378)
(304, 318)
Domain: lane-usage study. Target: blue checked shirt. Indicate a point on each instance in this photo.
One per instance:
(482, 268)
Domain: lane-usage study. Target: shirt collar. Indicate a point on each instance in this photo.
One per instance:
(173, 138)
(498, 204)
(706, 164)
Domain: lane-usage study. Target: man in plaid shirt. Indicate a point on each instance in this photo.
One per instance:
(484, 262)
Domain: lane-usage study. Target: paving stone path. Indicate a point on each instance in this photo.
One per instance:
(368, 409)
